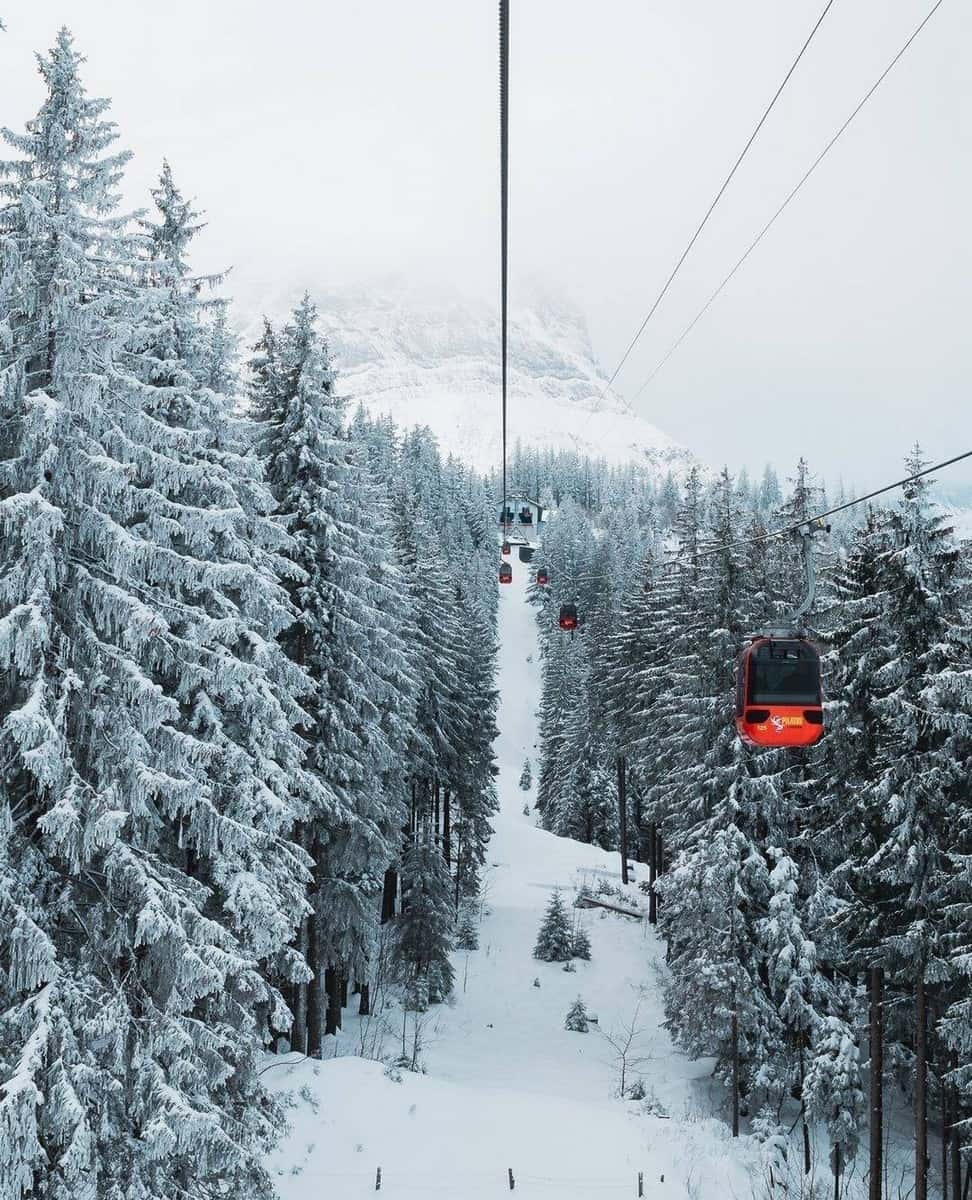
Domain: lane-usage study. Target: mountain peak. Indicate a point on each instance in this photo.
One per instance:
(428, 358)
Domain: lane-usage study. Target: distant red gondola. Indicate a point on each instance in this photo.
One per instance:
(505, 548)
(778, 695)
(568, 617)
(542, 577)
(505, 573)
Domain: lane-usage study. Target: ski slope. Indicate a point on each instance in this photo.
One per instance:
(506, 1086)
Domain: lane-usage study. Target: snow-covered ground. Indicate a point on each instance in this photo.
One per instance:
(506, 1086)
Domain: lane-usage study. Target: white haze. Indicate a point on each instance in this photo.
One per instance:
(333, 144)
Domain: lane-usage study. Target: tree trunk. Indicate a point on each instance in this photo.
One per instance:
(956, 1141)
(838, 1167)
(875, 1181)
(436, 812)
(332, 986)
(735, 1069)
(388, 894)
(298, 1033)
(946, 1115)
(623, 817)
(458, 869)
(652, 874)
(659, 863)
(344, 991)
(803, 1114)
(364, 1001)
(921, 1101)
(447, 828)
(315, 993)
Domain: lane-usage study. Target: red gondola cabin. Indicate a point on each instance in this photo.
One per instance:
(542, 577)
(505, 573)
(505, 549)
(568, 617)
(778, 696)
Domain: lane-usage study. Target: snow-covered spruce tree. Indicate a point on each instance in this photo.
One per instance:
(348, 637)
(711, 895)
(918, 780)
(424, 930)
(833, 1090)
(554, 937)
(467, 933)
(454, 650)
(152, 767)
(577, 1019)
(721, 800)
(526, 776)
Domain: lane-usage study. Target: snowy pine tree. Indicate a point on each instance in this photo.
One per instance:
(153, 767)
(424, 931)
(348, 639)
(554, 939)
(577, 1020)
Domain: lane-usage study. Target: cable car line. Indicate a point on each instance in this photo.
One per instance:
(779, 212)
(718, 196)
(504, 56)
(819, 518)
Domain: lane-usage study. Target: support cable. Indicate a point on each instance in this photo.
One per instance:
(504, 50)
(728, 179)
(779, 212)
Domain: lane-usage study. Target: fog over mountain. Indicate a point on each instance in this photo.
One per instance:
(432, 358)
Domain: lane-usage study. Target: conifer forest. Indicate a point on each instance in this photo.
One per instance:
(327, 752)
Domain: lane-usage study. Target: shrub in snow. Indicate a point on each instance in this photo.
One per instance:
(581, 945)
(554, 941)
(583, 893)
(569, 967)
(604, 888)
(526, 776)
(526, 809)
(636, 1090)
(416, 998)
(439, 987)
(576, 1019)
(467, 935)
(536, 983)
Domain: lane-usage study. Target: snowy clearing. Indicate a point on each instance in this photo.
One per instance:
(507, 1087)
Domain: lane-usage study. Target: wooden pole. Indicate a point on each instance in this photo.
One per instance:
(512, 1180)
(378, 1180)
(641, 1183)
(623, 816)
(876, 1172)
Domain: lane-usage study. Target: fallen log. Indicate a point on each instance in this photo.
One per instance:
(593, 902)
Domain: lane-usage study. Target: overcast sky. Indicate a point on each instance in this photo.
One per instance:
(334, 142)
